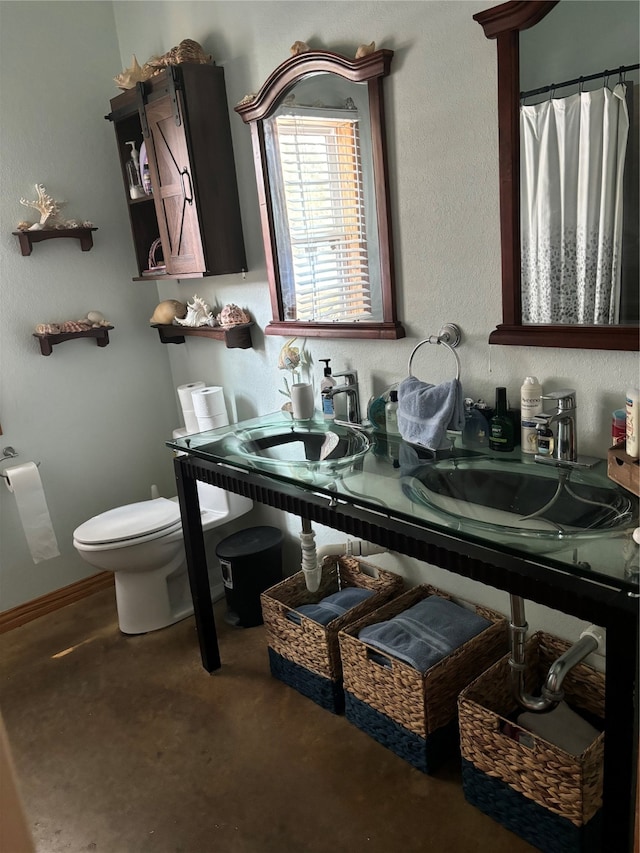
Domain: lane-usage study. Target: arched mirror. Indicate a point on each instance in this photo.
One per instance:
(318, 136)
(528, 316)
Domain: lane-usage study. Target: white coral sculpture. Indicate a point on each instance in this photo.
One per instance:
(47, 207)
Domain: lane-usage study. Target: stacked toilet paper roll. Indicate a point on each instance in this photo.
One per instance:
(186, 402)
(210, 408)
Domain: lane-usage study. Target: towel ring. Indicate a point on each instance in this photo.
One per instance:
(449, 337)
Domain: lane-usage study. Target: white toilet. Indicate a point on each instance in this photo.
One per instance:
(142, 545)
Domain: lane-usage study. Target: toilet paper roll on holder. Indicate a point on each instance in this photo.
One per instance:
(9, 453)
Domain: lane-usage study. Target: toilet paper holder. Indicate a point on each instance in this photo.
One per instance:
(10, 453)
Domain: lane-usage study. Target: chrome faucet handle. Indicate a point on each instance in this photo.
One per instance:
(565, 399)
(350, 375)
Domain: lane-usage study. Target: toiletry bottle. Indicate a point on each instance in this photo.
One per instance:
(326, 387)
(132, 165)
(146, 180)
(545, 436)
(391, 414)
(632, 402)
(502, 432)
(618, 427)
(530, 406)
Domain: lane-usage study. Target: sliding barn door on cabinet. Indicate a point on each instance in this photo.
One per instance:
(182, 117)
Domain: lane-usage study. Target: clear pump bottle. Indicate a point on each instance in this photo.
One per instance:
(136, 190)
(326, 388)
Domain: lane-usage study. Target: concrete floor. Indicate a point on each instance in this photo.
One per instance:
(126, 745)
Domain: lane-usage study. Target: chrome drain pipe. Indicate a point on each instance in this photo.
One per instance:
(551, 693)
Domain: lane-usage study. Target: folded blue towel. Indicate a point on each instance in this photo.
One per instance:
(332, 606)
(425, 633)
(426, 412)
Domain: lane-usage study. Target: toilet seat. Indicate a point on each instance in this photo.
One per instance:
(139, 521)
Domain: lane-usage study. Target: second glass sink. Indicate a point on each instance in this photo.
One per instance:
(522, 498)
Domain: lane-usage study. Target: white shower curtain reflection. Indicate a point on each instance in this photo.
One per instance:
(572, 164)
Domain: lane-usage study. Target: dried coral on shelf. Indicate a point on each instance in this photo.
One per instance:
(49, 210)
(187, 51)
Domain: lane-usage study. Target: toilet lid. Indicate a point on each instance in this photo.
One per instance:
(129, 522)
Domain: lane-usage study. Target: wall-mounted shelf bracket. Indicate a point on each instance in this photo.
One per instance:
(236, 337)
(28, 238)
(48, 341)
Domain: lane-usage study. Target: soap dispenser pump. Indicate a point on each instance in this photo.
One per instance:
(136, 190)
(326, 388)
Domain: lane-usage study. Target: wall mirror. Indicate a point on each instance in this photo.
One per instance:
(615, 328)
(318, 137)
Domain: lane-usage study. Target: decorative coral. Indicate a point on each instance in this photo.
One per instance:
(47, 207)
(187, 51)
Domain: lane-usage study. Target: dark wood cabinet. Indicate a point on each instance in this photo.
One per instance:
(182, 117)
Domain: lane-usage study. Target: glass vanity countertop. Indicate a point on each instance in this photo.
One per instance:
(578, 520)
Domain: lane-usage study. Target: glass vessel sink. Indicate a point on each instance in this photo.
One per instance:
(515, 497)
(314, 451)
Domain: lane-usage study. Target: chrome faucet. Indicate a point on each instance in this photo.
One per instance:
(350, 388)
(565, 445)
(565, 441)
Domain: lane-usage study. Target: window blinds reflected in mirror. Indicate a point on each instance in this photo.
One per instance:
(315, 163)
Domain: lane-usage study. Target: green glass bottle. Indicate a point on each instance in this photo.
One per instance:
(502, 435)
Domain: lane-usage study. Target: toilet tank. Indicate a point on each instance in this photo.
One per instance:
(219, 501)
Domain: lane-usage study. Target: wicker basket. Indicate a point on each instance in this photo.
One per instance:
(550, 798)
(410, 712)
(306, 656)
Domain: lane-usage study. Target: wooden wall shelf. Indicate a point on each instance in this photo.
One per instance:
(236, 337)
(28, 238)
(48, 341)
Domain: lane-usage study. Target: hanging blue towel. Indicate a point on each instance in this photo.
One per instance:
(331, 607)
(425, 633)
(426, 412)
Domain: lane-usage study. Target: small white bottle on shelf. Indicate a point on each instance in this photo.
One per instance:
(631, 406)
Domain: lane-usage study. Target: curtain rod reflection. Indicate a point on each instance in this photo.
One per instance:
(579, 80)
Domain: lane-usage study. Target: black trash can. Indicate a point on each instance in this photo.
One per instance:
(251, 561)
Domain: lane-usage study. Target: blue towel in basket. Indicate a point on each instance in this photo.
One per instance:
(426, 412)
(425, 633)
(332, 606)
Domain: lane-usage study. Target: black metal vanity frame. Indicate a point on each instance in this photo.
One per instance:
(532, 578)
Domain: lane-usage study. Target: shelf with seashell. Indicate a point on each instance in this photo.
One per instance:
(235, 337)
(49, 340)
(27, 238)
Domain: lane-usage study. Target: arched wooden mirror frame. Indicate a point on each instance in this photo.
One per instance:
(370, 69)
(504, 23)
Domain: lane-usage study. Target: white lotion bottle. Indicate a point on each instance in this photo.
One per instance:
(530, 406)
(631, 405)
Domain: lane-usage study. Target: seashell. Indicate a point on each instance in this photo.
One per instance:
(198, 314)
(365, 50)
(75, 326)
(187, 51)
(299, 47)
(289, 358)
(47, 329)
(247, 99)
(24, 226)
(232, 315)
(166, 312)
(130, 76)
(97, 319)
